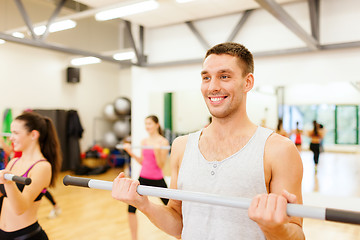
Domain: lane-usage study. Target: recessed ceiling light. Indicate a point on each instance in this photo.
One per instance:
(127, 10)
(124, 56)
(18, 34)
(85, 61)
(55, 27)
(184, 1)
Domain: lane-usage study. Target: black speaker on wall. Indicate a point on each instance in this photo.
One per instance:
(73, 75)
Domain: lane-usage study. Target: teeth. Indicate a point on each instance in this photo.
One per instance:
(216, 99)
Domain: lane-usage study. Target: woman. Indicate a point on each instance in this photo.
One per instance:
(280, 129)
(316, 136)
(152, 161)
(9, 151)
(298, 132)
(36, 138)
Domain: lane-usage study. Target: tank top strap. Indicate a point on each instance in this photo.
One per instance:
(26, 173)
(14, 163)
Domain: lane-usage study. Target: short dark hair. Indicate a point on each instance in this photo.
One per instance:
(237, 50)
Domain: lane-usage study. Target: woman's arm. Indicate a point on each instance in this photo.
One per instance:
(168, 218)
(161, 155)
(20, 202)
(127, 148)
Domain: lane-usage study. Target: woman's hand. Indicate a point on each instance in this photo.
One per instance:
(2, 179)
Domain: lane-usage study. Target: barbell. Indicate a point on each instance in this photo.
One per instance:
(121, 146)
(298, 210)
(18, 179)
(3, 134)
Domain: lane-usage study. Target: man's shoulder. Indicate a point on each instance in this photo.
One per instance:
(277, 146)
(276, 139)
(181, 140)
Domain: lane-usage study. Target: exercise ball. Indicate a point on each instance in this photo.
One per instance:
(122, 106)
(110, 140)
(121, 128)
(109, 112)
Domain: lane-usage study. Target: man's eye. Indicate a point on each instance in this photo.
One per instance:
(224, 77)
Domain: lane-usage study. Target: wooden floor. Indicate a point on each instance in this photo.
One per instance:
(93, 214)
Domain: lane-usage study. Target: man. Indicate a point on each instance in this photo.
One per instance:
(231, 157)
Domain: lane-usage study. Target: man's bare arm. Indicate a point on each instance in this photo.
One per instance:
(283, 167)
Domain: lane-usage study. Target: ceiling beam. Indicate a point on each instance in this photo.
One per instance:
(355, 44)
(78, 15)
(142, 44)
(239, 25)
(59, 48)
(26, 18)
(198, 35)
(133, 44)
(279, 13)
(52, 19)
(263, 54)
(314, 10)
(356, 85)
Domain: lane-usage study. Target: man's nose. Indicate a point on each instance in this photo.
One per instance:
(214, 85)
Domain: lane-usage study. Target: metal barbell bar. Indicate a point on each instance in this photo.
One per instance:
(121, 146)
(18, 179)
(329, 214)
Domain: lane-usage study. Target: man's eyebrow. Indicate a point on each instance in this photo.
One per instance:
(225, 70)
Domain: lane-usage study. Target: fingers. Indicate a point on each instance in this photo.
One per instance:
(121, 187)
(291, 198)
(124, 189)
(121, 175)
(2, 179)
(269, 210)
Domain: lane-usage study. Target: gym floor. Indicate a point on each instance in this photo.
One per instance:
(93, 214)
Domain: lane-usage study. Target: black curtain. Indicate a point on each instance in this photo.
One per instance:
(69, 130)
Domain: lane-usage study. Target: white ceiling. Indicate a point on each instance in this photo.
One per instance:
(170, 12)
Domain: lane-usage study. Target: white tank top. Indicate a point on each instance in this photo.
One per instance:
(240, 175)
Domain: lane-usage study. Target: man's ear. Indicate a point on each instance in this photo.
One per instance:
(249, 82)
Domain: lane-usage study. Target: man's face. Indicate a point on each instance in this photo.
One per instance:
(222, 84)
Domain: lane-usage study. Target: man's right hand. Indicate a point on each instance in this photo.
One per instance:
(124, 189)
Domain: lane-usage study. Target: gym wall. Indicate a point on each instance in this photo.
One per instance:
(36, 78)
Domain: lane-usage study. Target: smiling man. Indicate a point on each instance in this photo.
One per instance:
(230, 157)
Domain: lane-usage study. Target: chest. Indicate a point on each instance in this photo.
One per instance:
(218, 150)
(20, 169)
(240, 175)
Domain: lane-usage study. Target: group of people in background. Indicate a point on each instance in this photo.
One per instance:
(316, 136)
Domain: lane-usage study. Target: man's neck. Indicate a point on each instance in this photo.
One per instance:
(227, 127)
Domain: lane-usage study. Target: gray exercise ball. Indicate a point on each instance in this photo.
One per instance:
(109, 112)
(122, 106)
(110, 140)
(121, 128)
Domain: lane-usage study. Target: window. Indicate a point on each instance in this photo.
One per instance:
(341, 122)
